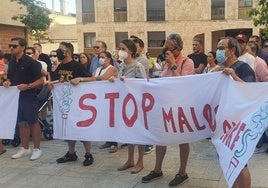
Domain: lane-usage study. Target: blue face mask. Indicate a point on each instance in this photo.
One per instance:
(220, 56)
(101, 61)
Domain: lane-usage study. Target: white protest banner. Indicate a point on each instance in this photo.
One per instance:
(167, 111)
(9, 98)
(243, 116)
(162, 111)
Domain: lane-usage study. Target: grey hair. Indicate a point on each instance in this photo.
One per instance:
(176, 38)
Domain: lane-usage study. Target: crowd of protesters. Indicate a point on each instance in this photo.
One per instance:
(241, 57)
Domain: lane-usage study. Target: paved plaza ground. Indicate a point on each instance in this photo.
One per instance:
(203, 168)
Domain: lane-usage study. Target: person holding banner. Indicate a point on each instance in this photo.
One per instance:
(130, 68)
(67, 70)
(176, 64)
(227, 54)
(104, 72)
(25, 73)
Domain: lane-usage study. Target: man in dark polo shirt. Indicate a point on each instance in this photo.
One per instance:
(67, 70)
(25, 73)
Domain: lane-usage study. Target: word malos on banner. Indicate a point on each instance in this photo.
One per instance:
(184, 116)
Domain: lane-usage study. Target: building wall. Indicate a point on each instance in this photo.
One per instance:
(186, 17)
(8, 27)
(9, 9)
(7, 32)
(63, 28)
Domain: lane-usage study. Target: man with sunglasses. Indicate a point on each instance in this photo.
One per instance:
(176, 64)
(25, 73)
(99, 47)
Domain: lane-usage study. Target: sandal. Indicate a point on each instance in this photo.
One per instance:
(113, 149)
(125, 167)
(3, 151)
(136, 170)
(103, 146)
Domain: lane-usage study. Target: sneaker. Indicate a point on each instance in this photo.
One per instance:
(152, 176)
(67, 158)
(148, 149)
(179, 180)
(36, 154)
(21, 153)
(88, 159)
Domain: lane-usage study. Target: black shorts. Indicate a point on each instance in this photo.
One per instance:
(28, 108)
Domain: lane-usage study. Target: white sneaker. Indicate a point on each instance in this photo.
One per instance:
(21, 153)
(36, 154)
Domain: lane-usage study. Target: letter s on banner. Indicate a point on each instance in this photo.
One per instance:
(88, 122)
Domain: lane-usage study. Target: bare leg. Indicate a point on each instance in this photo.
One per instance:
(36, 134)
(87, 146)
(160, 154)
(139, 165)
(243, 180)
(24, 134)
(71, 145)
(184, 154)
(130, 160)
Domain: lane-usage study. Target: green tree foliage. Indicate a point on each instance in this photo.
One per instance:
(36, 20)
(260, 16)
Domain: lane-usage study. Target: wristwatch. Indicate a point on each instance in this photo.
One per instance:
(174, 67)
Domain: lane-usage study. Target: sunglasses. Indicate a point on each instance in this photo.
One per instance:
(29, 53)
(265, 46)
(13, 45)
(96, 47)
(241, 42)
(53, 56)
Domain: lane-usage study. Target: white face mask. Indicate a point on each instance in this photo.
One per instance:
(101, 61)
(53, 59)
(122, 54)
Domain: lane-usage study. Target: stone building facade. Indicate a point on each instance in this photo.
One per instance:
(154, 20)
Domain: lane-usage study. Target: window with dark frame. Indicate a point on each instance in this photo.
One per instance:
(244, 7)
(217, 9)
(88, 11)
(245, 3)
(120, 10)
(155, 10)
(119, 36)
(156, 40)
(89, 40)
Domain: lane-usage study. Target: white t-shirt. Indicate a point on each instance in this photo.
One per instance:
(249, 59)
(44, 67)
